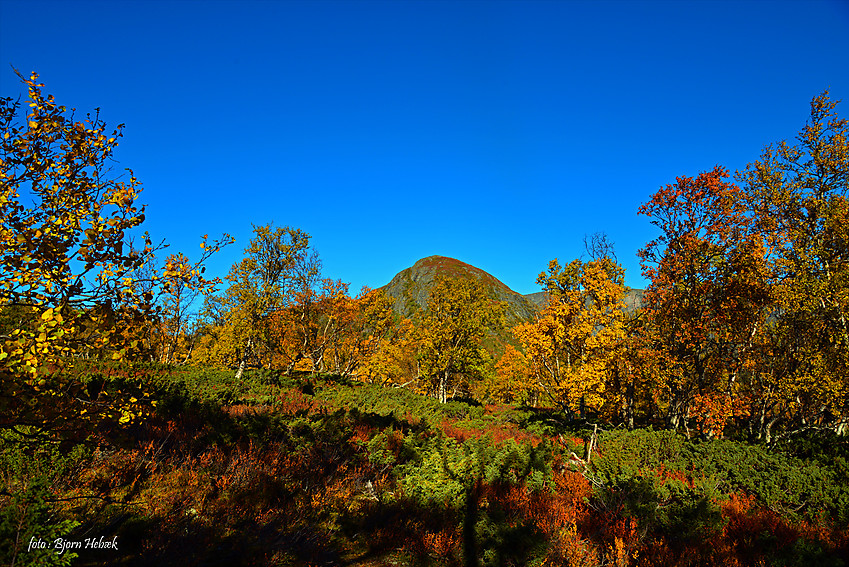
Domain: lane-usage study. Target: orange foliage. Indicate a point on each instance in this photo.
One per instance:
(712, 412)
(442, 543)
(707, 294)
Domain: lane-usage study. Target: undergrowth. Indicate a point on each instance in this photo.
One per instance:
(316, 470)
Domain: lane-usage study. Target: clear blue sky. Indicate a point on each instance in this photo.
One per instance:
(498, 133)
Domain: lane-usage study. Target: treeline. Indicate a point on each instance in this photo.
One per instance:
(744, 323)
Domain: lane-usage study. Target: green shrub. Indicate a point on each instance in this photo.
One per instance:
(444, 470)
(28, 512)
(629, 462)
(28, 521)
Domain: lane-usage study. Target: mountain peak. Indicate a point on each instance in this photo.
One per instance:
(411, 287)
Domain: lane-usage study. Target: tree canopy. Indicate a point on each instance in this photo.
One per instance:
(71, 280)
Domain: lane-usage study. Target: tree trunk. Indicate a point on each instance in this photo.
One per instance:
(291, 367)
(442, 388)
(590, 445)
(242, 360)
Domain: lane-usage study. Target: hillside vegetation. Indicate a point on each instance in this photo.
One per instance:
(317, 470)
(150, 414)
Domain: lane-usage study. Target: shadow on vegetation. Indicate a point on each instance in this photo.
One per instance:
(276, 470)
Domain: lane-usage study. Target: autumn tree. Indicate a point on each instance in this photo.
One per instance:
(68, 285)
(176, 316)
(320, 329)
(391, 359)
(459, 314)
(348, 335)
(797, 197)
(572, 343)
(513, 381)
(334, 346)
(708, 295)
(279, 269)
(278, 312)
(373, 331)
(172, 332)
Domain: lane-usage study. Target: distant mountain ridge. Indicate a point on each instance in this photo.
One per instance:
(410, 289)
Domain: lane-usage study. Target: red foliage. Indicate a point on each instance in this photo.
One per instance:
(497, 433)
(293, 401)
